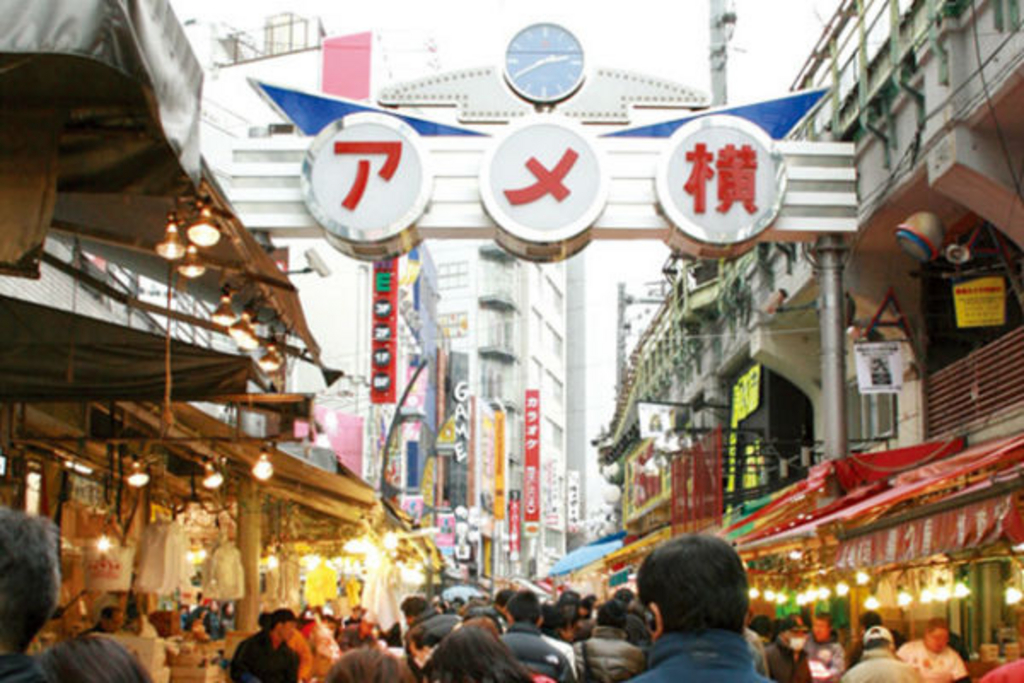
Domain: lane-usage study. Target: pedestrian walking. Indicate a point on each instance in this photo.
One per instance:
(91, 658)
(825, 656)
(368, 665)
(879, 663)
(475, 655)
(787, 658)
(29, 585)
(607, 656)
(266, 656)
(696, 588)
(527, 644)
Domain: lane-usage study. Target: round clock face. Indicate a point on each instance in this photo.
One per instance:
(544, 63)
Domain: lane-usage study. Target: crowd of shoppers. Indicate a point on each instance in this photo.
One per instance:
(690, 623)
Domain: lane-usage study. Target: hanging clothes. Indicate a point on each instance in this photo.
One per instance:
(163, 565)
(321, 585)
(223, 573)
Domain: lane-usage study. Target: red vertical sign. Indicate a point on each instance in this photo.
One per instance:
(385, 331)
(531, 468)
(514, 530)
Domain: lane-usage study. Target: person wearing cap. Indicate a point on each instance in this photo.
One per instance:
(878, 663)
(787, 658)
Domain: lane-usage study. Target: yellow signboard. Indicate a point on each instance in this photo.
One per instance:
(499, 465)
(746, 395)
(980, 302)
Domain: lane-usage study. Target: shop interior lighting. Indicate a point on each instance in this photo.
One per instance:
(191, 267)
(824, 593)
(754, 593)
(862, 579)
(212, 479)
(103, 544)
(243, 333)
(904, 599)
(390, 541)
(78, 468)
(872, 603)
(960, 590)
(225, 314)
(203, 232)
(139, 477)
(942, 593)
(263, 469)
(272, 562)
(927, 597)
(769, 595)
(172, 247)
(781, 599)
(271, 360)
(842, 589)
(1013, 595)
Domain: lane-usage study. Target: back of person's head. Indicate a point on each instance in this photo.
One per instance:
(612, 613)
(588, 603)
(414, 606)
(369, 665)
(625, 596)
(281, 616)
(878, 637)
(483, 612)
(695, 582)
(429, 635)
(486, 623)
(503, 596)
(869, 619)
(474, 655)
(762, 626)
(524, 606)
(552, 617)
(29, 577)
(88, 659)
(570, 597)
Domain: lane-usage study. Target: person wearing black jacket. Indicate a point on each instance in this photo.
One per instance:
(525, 640)
(266, 657)
(29, 585)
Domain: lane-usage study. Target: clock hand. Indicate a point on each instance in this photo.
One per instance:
(550, 59)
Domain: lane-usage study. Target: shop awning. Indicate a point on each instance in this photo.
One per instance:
(639, 548)
(966, 522)
(95, 96)
(959, 470)
(581, 557)
(53, 355)
(864, 468)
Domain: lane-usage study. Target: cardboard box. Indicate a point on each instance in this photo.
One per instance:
(189, 674)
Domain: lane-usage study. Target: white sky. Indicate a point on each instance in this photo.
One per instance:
(772, 40)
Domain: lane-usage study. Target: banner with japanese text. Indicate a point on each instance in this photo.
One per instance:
(499, 465)
(514, 525)
(531, 464)
(385, 331)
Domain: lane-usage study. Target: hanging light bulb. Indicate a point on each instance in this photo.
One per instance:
(862, 579)
(138, 478)
(213, 478)
(263, 469)
(872, 603)
(172, 247)
(781, 599)
(942, 593)
(754, 593)
(904, 599)
(271, 360)
(203, 231)
(1013, 595)
(191, 267)
(244, 334)
(103, 544)
(927, 597)
(960, 590)
(225, 314)
(769, 595)
(824, 593)
(842, 589)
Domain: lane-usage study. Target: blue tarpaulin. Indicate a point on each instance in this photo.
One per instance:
(581, 557)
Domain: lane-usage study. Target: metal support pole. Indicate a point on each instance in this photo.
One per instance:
(830, 255)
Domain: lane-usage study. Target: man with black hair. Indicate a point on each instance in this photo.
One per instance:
(111, 620)
(787, 656)
(29, 585)
(696, 589)
(528, 646)
(557, 628)
(607, 657)
(266, 657)
(879, 663)
(825, 655)
(636, 630)
(427, 627)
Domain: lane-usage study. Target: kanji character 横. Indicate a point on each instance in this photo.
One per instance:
(737, 176)
(702, 172)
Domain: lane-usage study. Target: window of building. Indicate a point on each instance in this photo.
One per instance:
(871, 416)
(554, 388)
(452, 275)
(553, 342)
(536, 373)
(553, 297)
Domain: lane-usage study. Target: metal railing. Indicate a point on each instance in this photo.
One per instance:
(978, 387)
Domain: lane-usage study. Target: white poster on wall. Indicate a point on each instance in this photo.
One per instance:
(879, 367)
(572, 499)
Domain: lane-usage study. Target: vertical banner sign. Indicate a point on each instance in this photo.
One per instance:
(445, 538)
(573, 500)
(385, 331)
(499, 465)
(531, 467)
(514, 529)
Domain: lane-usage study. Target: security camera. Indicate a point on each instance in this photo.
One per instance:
(317, 264)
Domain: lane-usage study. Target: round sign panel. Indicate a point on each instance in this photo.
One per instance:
(366, 180)
(721, 180)
(544, 184)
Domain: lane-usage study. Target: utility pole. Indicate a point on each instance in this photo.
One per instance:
(829, 261)
(723, 21)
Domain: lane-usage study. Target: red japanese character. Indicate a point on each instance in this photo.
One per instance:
(699, 177)
(393, 153)
(548, 182)
(737, 176)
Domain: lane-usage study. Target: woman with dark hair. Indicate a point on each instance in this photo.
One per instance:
(88, 659)
(369, 666)
(474, 655)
